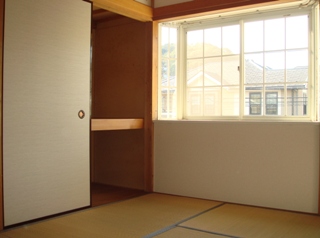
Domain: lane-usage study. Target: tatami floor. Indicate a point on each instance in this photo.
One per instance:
(165, 216)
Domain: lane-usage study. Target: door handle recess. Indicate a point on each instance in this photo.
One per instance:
(81, 114)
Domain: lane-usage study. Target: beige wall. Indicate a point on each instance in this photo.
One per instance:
(264, 164)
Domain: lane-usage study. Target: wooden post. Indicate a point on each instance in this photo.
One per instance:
(148, 125)
(1, 75)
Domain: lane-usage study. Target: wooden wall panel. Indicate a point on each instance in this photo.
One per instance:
(119, 60)
(119, 158)
(121, 78)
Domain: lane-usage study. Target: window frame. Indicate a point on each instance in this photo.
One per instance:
(184, 27)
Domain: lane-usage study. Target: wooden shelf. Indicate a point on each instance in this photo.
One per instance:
(116, 124)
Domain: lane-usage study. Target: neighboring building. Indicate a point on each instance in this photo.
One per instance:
(262, 97)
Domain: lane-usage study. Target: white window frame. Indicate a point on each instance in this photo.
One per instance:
(218, 20)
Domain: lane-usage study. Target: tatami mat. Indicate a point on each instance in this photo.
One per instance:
(187, 233)
(136, 217)
(245, 221)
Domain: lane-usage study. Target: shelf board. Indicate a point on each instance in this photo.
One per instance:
(116, 124)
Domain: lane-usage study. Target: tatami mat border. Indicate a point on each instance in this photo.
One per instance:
(163, 230)
(209, 232)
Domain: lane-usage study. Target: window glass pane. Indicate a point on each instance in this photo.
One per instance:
(195, 72)
(212, 101)
(274, 67)
(167, 89)
(173, 102)
(164, 72)
(230, 70)
(297, 32)
(253, 68)
(194, 101)
(297, 99)
(230, 101)
(274, 34)
(212, 74)
(173, 42)
(164, 41)
(172, 76)
(212, 42)
(297, 66)
(195, 44)
(274, 100)
(231, 39)
(164, 103)
(253, 36)
(168, 102)
(255, 101)
(271, 103)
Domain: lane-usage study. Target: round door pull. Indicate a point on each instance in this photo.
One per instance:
(81, 114)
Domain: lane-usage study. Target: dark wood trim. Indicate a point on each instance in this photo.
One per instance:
(1, 110)
(204, 7)
(151, 102)
(102, 15)
(148, 125)
(155, 52)
(93, 48)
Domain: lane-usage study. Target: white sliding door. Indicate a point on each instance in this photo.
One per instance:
(46, 82)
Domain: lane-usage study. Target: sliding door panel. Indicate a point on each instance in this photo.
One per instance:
(46, 83)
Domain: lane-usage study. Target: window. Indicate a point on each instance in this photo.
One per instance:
(255, 103)
(240, 67)
(271, 103)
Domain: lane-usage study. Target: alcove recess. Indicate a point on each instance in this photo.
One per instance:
(121, 124)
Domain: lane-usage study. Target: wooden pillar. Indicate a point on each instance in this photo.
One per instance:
(1, 75)
(148, 124)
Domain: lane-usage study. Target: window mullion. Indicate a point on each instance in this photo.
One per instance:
(263, 99)
(203, 75)
(285, 86)
(314, 65)
(222, 77)
(242, 72)
(181, 74)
